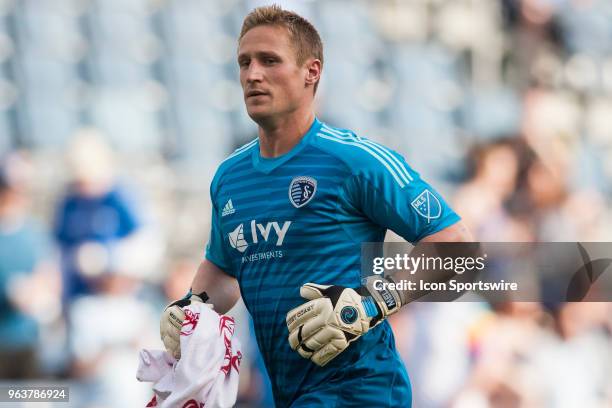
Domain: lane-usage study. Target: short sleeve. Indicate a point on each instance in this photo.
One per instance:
(215, 249)
(395, 197)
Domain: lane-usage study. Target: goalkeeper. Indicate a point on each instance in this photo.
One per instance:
(289, 213)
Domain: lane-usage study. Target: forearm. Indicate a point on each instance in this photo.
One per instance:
(222, 289)
(443, 244)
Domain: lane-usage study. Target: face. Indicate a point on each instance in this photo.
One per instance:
(272, 82)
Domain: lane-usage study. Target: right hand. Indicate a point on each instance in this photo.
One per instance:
(172, 322)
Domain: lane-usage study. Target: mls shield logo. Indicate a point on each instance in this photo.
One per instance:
(302, 190)
(427, 205)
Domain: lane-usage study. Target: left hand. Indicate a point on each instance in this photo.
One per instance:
(334, 317)
(171, 322)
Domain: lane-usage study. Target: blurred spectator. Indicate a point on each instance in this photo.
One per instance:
(502, 345)
(98, 222)
(434, 339)
(526, 358)
(27, 284)
(106, 332)
(179, 278)
(484, 201)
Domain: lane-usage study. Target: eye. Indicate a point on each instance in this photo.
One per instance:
(269, 61)
(243, 63)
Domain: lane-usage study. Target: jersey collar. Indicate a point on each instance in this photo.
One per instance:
(266, 165)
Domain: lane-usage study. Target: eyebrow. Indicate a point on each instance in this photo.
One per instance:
(259, 54)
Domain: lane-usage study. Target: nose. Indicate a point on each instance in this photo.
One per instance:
(254, 72)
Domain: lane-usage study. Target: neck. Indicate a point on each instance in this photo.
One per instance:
(279, 136)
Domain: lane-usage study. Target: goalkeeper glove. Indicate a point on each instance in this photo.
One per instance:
(172, 321)
(335, 316)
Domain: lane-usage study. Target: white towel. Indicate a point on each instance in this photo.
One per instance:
(206, 374)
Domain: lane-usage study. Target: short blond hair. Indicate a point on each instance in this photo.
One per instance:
(303, 36)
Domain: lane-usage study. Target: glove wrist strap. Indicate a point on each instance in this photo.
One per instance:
(202, 295)
(388, 300)
(185, 300)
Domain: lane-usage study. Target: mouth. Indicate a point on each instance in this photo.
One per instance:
(255, 93)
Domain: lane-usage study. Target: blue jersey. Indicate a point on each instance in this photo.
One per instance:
(301, 217)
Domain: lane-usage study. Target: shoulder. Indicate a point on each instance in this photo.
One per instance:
(124, 190)
(362, 155)
(237, 156)
(240, 155)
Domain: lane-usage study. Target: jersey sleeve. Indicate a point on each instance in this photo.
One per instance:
(216, 248)
(395, 197)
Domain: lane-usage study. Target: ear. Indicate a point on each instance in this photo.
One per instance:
(313, 71)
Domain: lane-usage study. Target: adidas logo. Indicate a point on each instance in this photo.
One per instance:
(228, 209)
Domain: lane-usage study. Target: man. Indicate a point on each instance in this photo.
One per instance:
(293, 207)
(25, 267)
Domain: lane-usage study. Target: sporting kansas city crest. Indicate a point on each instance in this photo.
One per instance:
(427, 205)
(302, 190)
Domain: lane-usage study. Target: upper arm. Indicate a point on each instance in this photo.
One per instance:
(395, 197)
(457, 232)
(216, 249)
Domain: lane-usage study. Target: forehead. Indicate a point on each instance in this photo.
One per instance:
(265, 38)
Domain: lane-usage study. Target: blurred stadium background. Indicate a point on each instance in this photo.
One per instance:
(115, 113)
